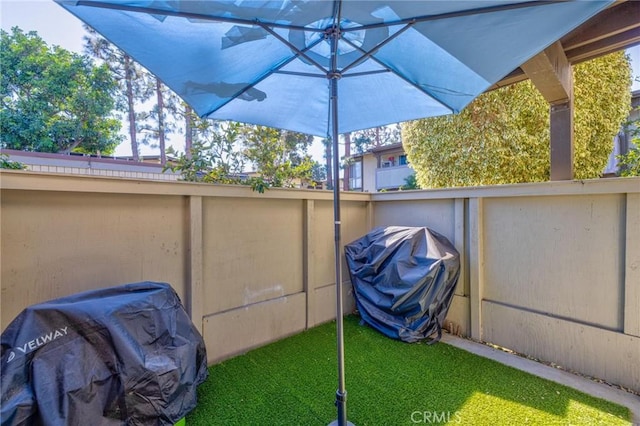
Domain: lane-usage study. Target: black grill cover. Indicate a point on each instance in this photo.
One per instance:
(121, 355)
(403, 279)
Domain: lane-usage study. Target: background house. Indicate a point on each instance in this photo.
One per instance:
(380, 168)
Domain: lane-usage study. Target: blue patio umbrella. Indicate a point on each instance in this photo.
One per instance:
(331, 67)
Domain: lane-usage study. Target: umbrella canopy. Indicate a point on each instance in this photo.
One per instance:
(267, 62)
(283, 63)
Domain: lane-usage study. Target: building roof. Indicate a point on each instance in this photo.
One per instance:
(380, 149)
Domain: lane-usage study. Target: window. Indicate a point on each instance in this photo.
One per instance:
(355, 175)
(385, 164)
(402, 160)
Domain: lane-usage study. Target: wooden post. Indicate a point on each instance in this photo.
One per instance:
(370, 215)
(459, 243)
(195, 290)
(308, 259)
(551, 73)
(476, 265)
(632, 267)
(561, 131)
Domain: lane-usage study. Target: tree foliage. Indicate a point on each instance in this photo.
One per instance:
(53, 100)
(363, 140)
(410, 182)
(279, 155)
(215, 156)
(222, 150)
(7, 163)
(130, 77)
(503, 136)
(328, 161)
(156, 124)
(318, 172)
(629, 163)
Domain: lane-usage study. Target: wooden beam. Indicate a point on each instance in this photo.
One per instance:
(550, 72)
(513, 77)
(604, 46)
(617, 19)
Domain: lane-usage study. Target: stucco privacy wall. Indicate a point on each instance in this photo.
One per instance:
(251, 268)
(551, 270)
(268, 267)
(56, 243)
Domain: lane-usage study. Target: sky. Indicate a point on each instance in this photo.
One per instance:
(58, 27)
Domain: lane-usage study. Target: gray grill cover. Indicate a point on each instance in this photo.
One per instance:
(120, 355)
(403, 279)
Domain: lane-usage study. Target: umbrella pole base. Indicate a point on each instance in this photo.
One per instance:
(341, 403)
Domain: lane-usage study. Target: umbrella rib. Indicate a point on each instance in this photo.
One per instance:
(301, 74)
(371, 52)
(294, 48)
(336, 30)
(360, 74)
(477, 11)
(337, 12)
(191, 15)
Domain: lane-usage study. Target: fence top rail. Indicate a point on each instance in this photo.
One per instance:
(574, 187)
(23, 180)
(35, 181)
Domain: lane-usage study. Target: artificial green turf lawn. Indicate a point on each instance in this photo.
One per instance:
(293, 382)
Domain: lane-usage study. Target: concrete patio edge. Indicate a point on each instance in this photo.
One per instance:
(566, 378)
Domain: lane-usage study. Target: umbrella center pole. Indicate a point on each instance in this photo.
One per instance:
(333, 76)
